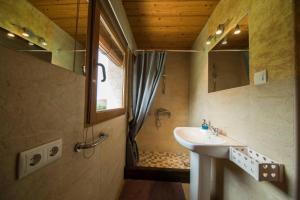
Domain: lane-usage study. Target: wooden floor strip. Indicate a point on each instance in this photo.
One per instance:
(152, 190)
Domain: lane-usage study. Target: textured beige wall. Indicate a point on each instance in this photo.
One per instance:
(176, 100)
(297, 19)
(20, 13)
(262, 117)
(39, 103)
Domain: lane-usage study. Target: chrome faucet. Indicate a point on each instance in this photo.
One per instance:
(214, 130)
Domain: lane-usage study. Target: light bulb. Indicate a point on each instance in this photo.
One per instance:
(224, 41)
(208, 41)
(237, 30)
(30, 44)
(25, 32)
(43, 41)
(11, 35)
(220, 29)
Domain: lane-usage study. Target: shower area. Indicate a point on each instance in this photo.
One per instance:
(156, 143)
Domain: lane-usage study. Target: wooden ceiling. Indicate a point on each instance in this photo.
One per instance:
(64, 13)
(167, 24)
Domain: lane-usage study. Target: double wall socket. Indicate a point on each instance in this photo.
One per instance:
(36, 158)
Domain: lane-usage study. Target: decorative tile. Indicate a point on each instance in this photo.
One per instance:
(164, 160)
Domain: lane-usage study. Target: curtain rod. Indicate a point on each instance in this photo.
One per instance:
(171, 50)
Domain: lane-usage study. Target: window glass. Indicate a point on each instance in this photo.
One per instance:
(110, 83)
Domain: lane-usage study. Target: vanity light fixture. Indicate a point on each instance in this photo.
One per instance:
(224, 42)
(25, 32)
(11, 35)
(43, 42)
(237, 30)
(208, 41)
(220, 29)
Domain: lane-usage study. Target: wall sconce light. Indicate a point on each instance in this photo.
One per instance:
(224, 42)
(25, 32)
(220, 29)
(43, 42)
(208, 41)
(11, 35)
(237, 30)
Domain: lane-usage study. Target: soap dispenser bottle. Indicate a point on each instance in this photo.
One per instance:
(204, 125)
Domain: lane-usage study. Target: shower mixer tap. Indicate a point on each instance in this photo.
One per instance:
(161, 112)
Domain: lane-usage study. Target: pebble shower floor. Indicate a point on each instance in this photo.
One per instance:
(164, 160)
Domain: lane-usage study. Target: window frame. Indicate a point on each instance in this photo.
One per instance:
(92, 116)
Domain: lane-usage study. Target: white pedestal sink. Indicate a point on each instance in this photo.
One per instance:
(203, 147)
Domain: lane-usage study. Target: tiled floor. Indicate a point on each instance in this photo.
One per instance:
(164, 160)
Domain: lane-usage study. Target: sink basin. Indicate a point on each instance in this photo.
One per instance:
(203, 142)
(197, 136)
(203, 148)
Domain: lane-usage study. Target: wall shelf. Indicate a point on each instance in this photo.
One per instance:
(257, 165)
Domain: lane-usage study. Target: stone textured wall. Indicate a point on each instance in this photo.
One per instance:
(39, 103)
(297, 47)
(176, 100)
(262, 117)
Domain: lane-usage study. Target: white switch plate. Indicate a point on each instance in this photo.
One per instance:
(36, 158)
(260, 77)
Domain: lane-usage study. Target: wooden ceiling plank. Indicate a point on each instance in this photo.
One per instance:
(184, 8)
(165, 37)
(174, 1)
(55, 2)
(145, 21)
(165, 46)
(173, 29)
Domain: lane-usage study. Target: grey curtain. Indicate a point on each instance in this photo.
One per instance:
(147, 70)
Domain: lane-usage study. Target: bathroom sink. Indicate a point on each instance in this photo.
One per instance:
(203, 146)
(204, 142)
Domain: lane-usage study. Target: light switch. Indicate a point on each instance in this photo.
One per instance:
(38, 157)
(260, 77)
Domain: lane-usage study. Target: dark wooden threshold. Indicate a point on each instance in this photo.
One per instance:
(158, 174)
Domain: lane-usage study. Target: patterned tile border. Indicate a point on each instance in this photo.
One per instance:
(164, 160)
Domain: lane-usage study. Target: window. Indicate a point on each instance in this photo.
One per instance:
(110, 84)
(106, 81)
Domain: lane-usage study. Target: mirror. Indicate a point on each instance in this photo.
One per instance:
(228, 61)
(54, 31)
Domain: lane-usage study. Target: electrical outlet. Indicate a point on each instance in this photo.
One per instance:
(36, 158)
(54, 150)
(30, 161)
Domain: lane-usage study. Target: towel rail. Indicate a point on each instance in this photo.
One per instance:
(82, 145)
